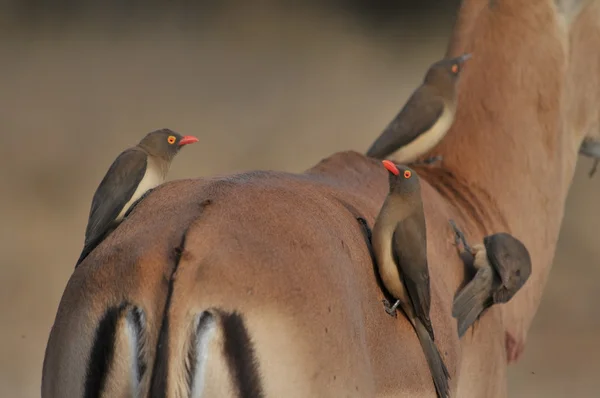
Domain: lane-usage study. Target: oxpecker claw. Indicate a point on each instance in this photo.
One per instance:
(390, 309)
(459, 237)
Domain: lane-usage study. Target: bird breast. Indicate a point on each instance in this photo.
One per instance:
(428, 139)
(386, 266)
(481, 258)
(154, 176)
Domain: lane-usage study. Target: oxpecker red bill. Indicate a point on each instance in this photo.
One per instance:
(425, 118)
(135, 171)
(400, 248)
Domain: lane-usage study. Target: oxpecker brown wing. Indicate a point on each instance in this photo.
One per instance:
(115, 190)
(410, 255)
(419, 114)
(474, 298)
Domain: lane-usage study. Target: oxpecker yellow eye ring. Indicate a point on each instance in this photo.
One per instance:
(171, 140)
(407, 174)
(454, 68)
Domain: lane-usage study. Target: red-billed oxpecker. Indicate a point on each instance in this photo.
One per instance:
(502, 265)
(425, 118)
(136, 171)
(591, 148)
(400, 248)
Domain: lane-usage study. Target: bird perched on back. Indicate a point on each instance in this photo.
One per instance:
(426, 116)
(400, 247)
(503, 266)
(135, 171)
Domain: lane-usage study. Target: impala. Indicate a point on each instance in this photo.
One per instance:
(261, 284)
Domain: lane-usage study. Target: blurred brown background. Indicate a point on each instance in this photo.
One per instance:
(265, 86)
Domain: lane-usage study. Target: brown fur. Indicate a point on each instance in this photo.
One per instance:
(287, 253)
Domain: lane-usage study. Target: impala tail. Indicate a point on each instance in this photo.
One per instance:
(117, 359)
(211, 356)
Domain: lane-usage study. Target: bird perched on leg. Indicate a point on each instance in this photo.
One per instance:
(135, 171)
(503, 266)
(426, 116)
(591, 148)
(400, 246)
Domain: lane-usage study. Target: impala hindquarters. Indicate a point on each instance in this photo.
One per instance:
(269, 288)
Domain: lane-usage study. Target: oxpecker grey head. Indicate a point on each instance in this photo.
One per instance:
(165, 143)
(506, 252)
(444, 74)
(402, 179)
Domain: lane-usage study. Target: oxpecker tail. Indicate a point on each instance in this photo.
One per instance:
(473, 299)
(438, 369)
(381, 147)
(93, 243)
